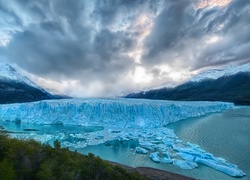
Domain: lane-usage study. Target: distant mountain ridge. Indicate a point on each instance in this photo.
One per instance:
(231, 84)
(224, 72)
(15, 88)
(8, 73)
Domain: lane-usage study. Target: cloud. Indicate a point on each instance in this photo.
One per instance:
(180, 34)
(170, 27)
(232, 26)
(87, 42)
(62, 43)
(102, 43)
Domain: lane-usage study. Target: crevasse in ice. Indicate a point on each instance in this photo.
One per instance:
(117, 112)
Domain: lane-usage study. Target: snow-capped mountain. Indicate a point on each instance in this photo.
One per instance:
(8, 73)
(224, 72)
(230, 84)
(17, 88)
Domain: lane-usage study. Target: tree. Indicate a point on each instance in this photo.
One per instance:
(57, 144)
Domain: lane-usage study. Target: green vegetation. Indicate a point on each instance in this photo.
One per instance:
(32, 160)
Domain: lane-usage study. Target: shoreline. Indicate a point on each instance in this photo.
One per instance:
(153, 173)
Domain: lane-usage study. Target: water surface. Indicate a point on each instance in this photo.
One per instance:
(225, 134)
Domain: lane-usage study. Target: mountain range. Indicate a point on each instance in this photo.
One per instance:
(230, 84)
(15, 88)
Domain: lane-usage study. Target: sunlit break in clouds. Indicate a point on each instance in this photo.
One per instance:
(204, 3)
(108, 48)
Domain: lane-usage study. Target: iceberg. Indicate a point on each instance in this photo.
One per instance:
(141, 150)
(192, 153)
(167, 158)
(155, 157)
(187, 165)
(124, 113)
(226, 168)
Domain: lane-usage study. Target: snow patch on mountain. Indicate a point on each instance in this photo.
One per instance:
(217, 73)
(8, 73)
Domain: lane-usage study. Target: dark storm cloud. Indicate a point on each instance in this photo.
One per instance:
(8, 18)
(91, 40)
(235, 36)
(170, 27)
(43, 49)
(107, 11)
(179, 27)
(61, 42)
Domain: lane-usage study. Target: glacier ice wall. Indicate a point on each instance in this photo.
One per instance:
(108, 112)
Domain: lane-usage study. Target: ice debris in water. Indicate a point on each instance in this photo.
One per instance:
(123, 120)
(167, 149)
(141, 150)
(188, 165)
(155, 157)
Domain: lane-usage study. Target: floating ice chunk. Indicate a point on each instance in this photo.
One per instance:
(156, 142)
(178, 141)
(187, 165)
(221, 159)
(120, 138)
(186, 156)
(147, 145)
(141, 150)
(193, 151)
(193, 145)
(230, 170)
(166, 158)
(165, 153)
(99, 137)
(169, 142)
(158, 138)
(155, 157)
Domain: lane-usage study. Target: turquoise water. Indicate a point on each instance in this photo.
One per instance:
(48, 129)
(223, 134)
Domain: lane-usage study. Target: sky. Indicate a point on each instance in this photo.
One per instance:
(102, 48)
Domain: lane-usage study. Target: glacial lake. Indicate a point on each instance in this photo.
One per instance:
(224, 134)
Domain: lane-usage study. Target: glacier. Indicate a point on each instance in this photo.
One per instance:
(117, 112)
(122, 120)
